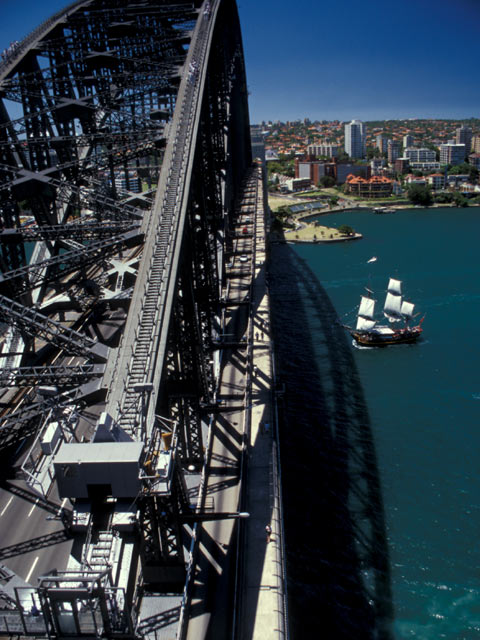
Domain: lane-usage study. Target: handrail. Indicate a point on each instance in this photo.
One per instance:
(15, 50)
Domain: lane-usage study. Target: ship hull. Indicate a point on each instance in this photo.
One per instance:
(374, 339)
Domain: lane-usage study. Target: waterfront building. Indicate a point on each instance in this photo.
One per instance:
(436, 181)
(374, 187)
(463, 135)
(323, 149)
(456, 181)
(381, 143)
(407, 140)
(355, 139)
(411, 179)
(452, 153)
(393, 150)
(420, 154)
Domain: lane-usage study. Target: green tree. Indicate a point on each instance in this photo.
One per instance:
(443, 197)
(473, 173)
(373, 152)
(283, 211)
(333, 200)
(343, 157)
(418, 194)
(327, 181)
(460, 200)
(346, 230)
(457, 169)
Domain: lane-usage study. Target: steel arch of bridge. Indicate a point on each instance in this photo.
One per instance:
(124, 137)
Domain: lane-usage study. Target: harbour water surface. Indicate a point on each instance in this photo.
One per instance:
(417, 408)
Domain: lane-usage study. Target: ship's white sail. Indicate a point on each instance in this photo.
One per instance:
(407, 309)
(370, 333)
(367, 307)
(395, 286)
(366, 312)
(363, 324)
(393, 302)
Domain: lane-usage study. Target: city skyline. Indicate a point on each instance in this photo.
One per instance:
(343, 61)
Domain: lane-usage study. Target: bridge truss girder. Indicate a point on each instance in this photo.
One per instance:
(59, 375)
(102, 71)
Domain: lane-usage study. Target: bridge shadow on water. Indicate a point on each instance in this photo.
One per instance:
(337, 555)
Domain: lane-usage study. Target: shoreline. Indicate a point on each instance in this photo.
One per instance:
(315, 234)
(365, 207)
(356, 236)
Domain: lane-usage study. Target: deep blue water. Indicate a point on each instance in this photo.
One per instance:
(423, 403)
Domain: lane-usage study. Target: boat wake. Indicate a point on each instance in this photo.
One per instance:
(361, 346)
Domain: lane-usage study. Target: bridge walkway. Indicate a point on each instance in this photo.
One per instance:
(263, 611)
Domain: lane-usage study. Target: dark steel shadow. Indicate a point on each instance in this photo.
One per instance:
(33, 545)
(337, 553)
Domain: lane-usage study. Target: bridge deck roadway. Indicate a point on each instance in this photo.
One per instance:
(243, 586)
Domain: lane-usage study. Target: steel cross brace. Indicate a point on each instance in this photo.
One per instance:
(61, 376)
(31, 276)
(35, 324)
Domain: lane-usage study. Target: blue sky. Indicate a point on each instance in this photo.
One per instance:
(342, 59)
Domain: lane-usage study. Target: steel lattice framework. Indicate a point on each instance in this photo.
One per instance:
(124, 138)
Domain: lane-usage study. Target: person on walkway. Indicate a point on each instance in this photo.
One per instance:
(268, 531)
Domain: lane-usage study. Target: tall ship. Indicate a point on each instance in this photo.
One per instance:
(369, 333)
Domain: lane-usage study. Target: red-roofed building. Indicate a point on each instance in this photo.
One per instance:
(411, 179)
(374, 187)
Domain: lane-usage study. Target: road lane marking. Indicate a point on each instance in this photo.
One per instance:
(33, 507)
(32, 568)
(6, 506)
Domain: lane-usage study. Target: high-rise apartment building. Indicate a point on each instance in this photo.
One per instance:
(381, 142)
(476, 144)
(355, 139)
(463, 135)
(393, 150)
(452, 153)
(407, 140)
(416, 154)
